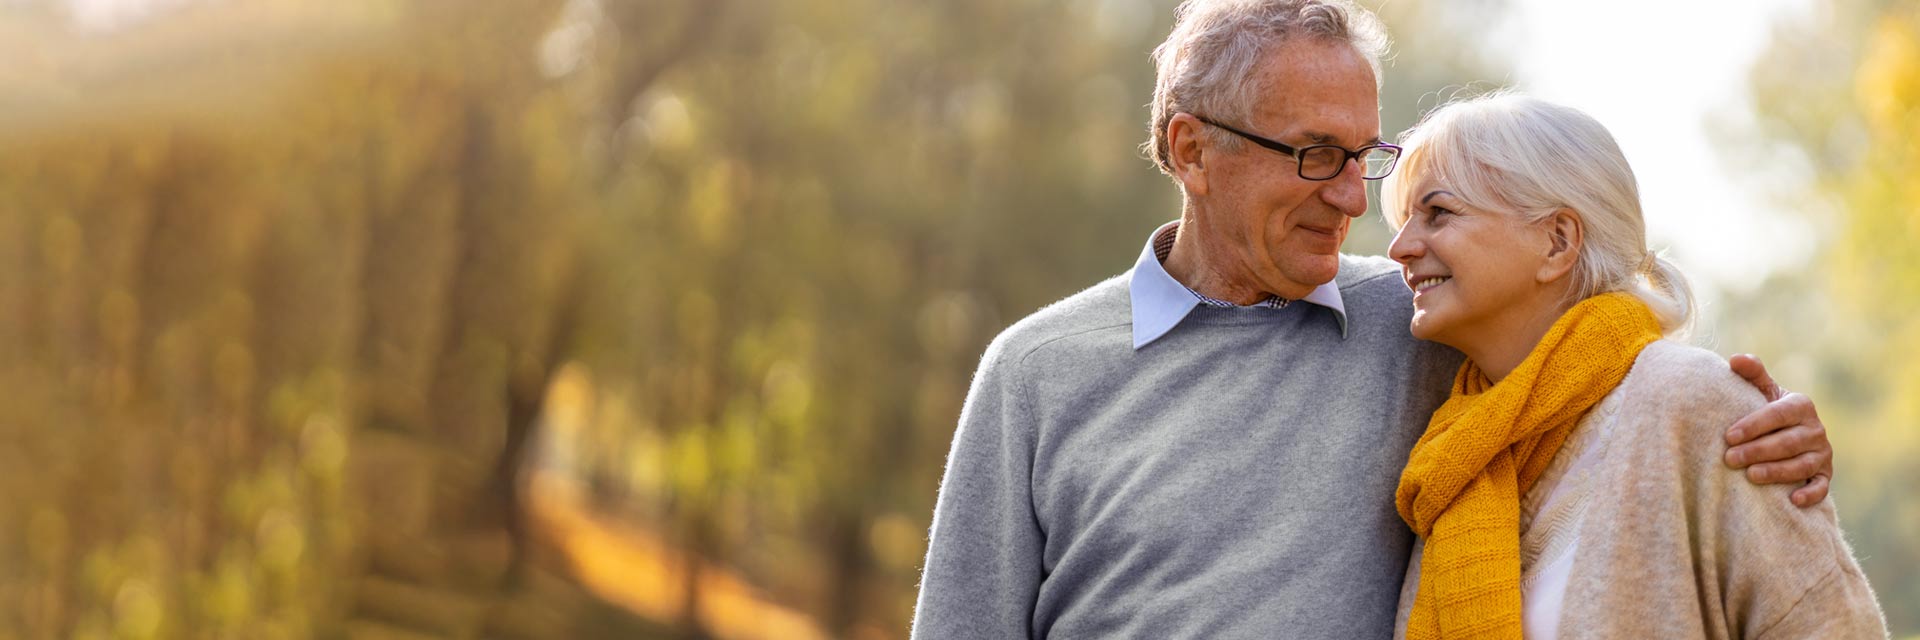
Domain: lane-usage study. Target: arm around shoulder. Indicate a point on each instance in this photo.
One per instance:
(983, 567)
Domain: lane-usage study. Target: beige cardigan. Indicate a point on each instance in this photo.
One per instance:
(1665, 541)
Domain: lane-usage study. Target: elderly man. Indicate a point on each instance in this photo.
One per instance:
(1208, 445)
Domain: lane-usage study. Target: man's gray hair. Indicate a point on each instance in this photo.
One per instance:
(1209, 64)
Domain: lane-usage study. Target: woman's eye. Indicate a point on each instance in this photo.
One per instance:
(1438, 211)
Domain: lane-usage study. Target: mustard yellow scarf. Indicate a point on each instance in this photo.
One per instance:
(1484, 449)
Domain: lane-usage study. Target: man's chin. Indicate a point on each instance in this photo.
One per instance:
(1323, 266)
(1312, 273)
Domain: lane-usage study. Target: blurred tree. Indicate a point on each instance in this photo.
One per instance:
(1838, 94)
(287, 311)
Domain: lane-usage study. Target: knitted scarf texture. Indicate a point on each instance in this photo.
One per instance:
(1483, 450)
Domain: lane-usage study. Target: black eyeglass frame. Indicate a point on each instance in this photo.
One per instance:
(1299, 154)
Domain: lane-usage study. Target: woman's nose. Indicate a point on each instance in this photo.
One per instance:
(1407, 245)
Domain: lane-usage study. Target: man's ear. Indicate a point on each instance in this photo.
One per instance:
(1565, 235)
(1187, 153)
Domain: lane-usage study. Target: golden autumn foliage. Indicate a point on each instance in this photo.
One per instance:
(559, 318)
(1839, 91)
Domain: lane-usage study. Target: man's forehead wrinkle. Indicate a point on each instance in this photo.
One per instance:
(1315, 118)
(1309, 95)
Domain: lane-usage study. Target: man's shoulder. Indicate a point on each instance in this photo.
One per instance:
(1367, 273)
(1375, 295)
(1101, 307)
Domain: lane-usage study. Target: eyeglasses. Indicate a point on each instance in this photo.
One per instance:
(1324, 161)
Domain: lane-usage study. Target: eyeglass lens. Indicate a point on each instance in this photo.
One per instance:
(1322, 162)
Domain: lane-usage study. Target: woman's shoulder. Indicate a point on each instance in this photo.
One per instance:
(1676, 375)
(1689, 391)
(1663, 499)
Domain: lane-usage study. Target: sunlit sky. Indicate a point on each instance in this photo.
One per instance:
(1655, 72)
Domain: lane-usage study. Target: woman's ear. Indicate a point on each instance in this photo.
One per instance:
(1564, 238)
(1186, 154)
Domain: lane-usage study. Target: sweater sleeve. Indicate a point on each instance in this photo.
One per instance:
(983, 568)
(1677, 545)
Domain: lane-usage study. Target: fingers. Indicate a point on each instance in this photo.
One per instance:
(1781, 446)
(1813, 493)
(1795, 470)
(1782, 443)
(1749, 366)
(1791, 409)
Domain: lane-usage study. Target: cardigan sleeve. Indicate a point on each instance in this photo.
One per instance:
(1783, 570)
(1841, 606)
(1677, 545)
(983, 568)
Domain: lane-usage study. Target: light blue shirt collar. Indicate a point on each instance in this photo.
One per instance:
(1160, 302)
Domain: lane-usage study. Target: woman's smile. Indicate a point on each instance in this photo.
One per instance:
(1422, 284)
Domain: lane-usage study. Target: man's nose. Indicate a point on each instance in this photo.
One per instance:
(1347, 191)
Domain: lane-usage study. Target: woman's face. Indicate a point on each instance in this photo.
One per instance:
(1475, 273)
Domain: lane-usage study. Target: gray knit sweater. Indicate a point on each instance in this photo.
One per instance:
(1233, 479)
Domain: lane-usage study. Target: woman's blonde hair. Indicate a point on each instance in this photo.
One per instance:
(1526, 157)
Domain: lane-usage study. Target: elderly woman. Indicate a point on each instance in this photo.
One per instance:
(1571, 485)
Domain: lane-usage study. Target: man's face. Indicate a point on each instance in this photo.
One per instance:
(1264, 225)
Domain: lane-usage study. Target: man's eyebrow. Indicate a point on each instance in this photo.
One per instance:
(1319, 137)
(1322, 137)
(1431, 194)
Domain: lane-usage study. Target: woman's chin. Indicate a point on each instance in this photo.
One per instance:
(1418, 333)
(1424, 327)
